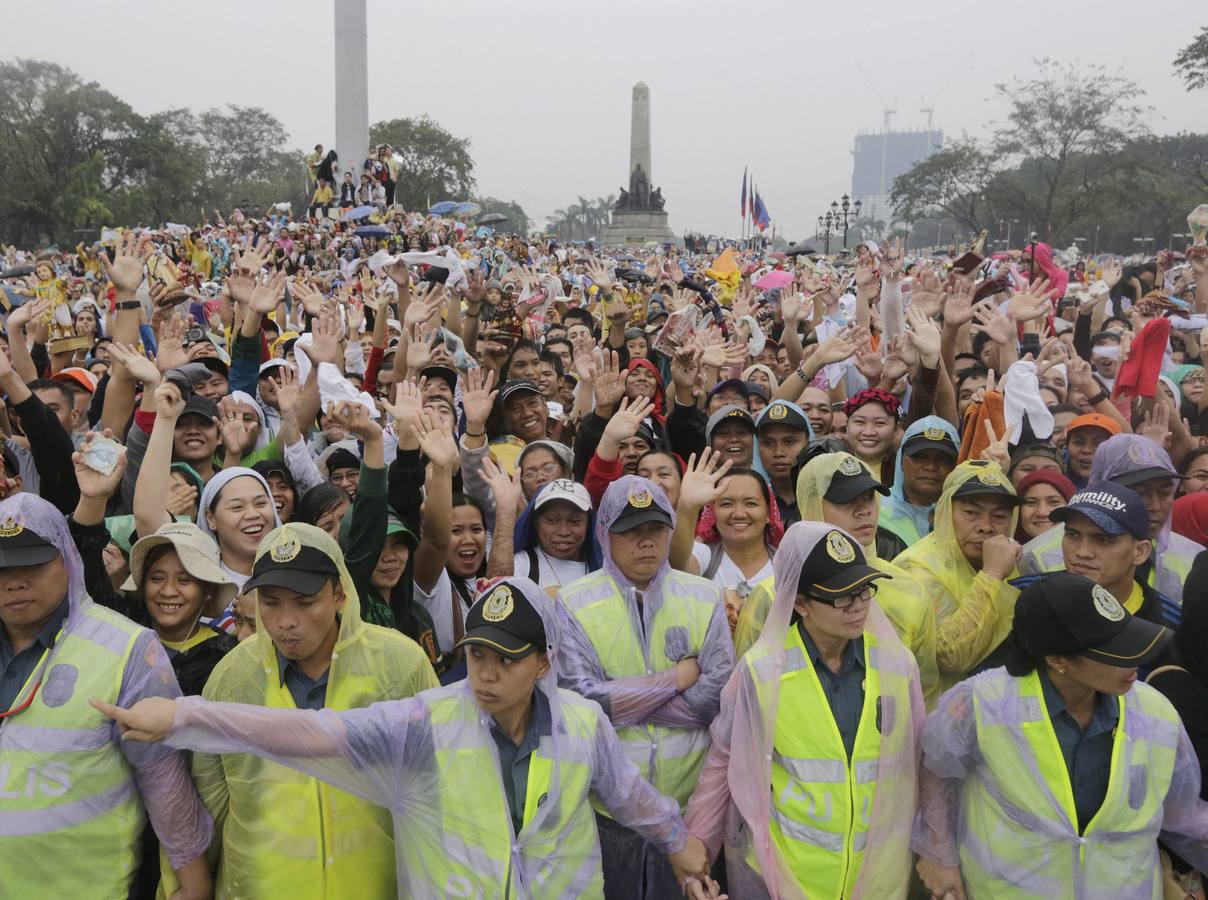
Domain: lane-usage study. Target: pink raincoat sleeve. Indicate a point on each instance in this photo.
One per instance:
(626, 701)
(1184, 814)
(950, 753)
(706, 813)
(630, 799)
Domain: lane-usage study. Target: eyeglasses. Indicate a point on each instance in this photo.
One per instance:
(549, 470)
(864, 596)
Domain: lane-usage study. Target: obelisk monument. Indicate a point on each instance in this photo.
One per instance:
(639, 216)
(352, 85)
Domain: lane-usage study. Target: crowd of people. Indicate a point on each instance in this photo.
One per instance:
(419, 560)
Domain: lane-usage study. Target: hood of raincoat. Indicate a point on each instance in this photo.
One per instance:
(612, 504)
(896, 501)
(660, 391)
(939, 553)
(1122, 454)
(544, 604)
(756, 459)
(44, 519)
(246, 399)
(813, 483)
(1058, 277)
(525, 536)
(216, 484)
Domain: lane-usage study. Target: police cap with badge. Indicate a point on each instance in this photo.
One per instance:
(504, 620)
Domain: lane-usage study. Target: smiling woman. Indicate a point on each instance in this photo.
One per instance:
(237, 510)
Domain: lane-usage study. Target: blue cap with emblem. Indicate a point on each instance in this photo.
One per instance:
(504, 619)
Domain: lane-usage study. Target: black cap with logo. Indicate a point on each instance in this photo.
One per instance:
(989, 482)
(1064, 614)
(504, 620)
(21, 546)
(835, 568)
(640, 508)
(292, 565)
(932, 437)
(851, 479)
(781, 412)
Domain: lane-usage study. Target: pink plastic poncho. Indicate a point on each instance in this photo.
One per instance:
(650, 699)
(391, 754)
(733, 799)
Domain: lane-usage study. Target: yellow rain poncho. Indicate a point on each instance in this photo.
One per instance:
(285, 834)
(973, 611)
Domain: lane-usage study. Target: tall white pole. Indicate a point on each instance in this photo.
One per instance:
(352, 84)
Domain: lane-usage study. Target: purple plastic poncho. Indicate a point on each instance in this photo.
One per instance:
(160, 774)
(733, 799)
(389, 753)
(649, 699)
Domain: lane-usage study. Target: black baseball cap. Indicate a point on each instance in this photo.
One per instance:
(198, 405)
(446, 374)
(512, 388)
(781, 412)
(835, 568)
(291, 564)
(21, 546)
(1063, 614)
(733, 384)
(1113, 507)
(990, 482)
(931, 438)
(503, 619)
(850, 480)
(640, 508)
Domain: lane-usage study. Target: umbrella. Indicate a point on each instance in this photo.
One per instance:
(774, 279)
(800, 250)
(468, 208)
(360, 212)
(492, 218)
(443, 208)
(375, 231)
(17, 272)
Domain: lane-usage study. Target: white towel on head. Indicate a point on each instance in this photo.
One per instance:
(1021, 397)
(334, 388)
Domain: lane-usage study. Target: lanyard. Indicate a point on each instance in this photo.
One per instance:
(36, 674)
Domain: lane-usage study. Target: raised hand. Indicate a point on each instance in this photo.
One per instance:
(478, 399)
(958, 303)
(685, 366)
(267, 292)
(699, 486)
(791, 305)
(170, 351)
(308, 295)
(27, 312)
(126, 270)
(238, 434)
(718, 356)
(628, 418)
(1051, 354)
(506, 488)
(169, 404)
(435, 440)
(868, 363)
(610, 381)
(418, 352)
(923, 336)
(1110, 273)
(836, 348)
(409, 400)
(182, 499)
(997, 450)
(1155, 425)
(988, 319)
(93, 484)
(139, 367)
(325, 342)
(1034, 303)
(354, 418)
(422, 311)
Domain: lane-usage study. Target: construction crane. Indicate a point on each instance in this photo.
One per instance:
(929, 109)
(886, 110)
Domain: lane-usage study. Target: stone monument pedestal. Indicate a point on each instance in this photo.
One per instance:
(637, 227)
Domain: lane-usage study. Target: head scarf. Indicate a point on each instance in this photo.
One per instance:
(1057, 276)
(612, 504)
(1056, 480)
(44, 519)
(896, 503)
(706, 528)
(766, 370)
(872, 395)
(245, 399)
(813, 483)
(1180, 374)
(525, 536)
(659, 398)
(214, 488)
(1190, 519)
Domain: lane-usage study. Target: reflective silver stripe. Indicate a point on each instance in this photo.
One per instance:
(814, 771)
(37, 739)
(794, 659)
(102, 633)
(807, 834)
(859, 841)
(64, 815)
(674, 743)
(872, 655)
(1001, 711)
(866, 771)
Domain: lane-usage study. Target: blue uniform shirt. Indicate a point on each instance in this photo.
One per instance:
(844, 689)
(1088, 754)
(15, 668)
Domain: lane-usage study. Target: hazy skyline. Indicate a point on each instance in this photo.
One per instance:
(542, 89)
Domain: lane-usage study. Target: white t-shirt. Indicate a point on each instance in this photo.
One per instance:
(439, 604)
(728, 575)
(551, 572)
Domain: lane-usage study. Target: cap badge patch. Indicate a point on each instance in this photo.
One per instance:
(778, 411)
(10, 527)
(849, 466)
(1139, 455)
(839, 548)
(286, 551)
(640, 500)
(498, 605)
(935, 433)
(1107, 605)
(987, 477)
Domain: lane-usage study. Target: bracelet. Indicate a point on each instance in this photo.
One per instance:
(800, 373)
(470, 315)
(1098, 398)
(468, 433)
(129, 304)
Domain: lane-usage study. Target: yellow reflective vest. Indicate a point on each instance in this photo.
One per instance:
(1019, 836)
(822, 801)
(71, 821)
(668, 758)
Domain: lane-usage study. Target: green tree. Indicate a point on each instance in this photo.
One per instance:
(435, 165)
(1192, 61)
(518, 220)
(952, 183)
(247, 161)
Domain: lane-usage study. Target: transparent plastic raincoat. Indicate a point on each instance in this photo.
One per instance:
(284, 833)
(736, 800)
(995, 796)
(1172, 555)
(973, 611)
(899, 515)
(431, 762)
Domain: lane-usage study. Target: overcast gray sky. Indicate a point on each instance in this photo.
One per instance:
(542, 87)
